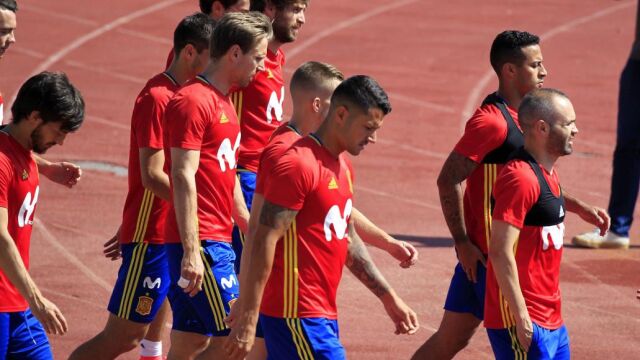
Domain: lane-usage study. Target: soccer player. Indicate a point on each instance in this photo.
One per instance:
(62, 173)
(47, 108)
(143, 279)
(490, 136)
(625, 179)
(305, 236)
(522, 310)
(259, 105)
(215, 9)
(204, 136)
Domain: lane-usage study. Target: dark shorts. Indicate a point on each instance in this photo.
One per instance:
(143, 282)
(545, 344)
(23, 337)
(465, 296)
(205, 312)
(307, 338)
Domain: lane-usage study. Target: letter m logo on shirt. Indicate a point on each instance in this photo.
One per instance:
(227, 154)
(27, 208)
(275, 106)
(337, 220)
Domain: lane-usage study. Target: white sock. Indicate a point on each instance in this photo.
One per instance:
(150, 348)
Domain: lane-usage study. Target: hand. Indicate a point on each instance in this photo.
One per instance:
(468, 256)
(240, 341)
(112, 248)
(63, 173)
(404, 252)
(405, 319)
(192, 269)
(524, 330)
(596, 216)
(49, 316)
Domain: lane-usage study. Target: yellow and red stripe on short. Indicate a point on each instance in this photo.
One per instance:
(212, 292)
(297, 334)
(133, 277)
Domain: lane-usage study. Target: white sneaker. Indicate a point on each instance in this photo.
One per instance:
(593, 240)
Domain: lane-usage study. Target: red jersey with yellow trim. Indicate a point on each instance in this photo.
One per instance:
(144, 214)
(281, 140)
(19, 189)
(538, 250)
(309, 259)
(485, 131)
(199, 117)
(259, 109)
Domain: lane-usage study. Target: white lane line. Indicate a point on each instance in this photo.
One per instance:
(413, 149)
(398, 198)
(55, 243)
(80, 41)
(145, 36)
(103, 71)
(473, 99)
(108, 122)
(59, 15)
(67, 296)
(334, 28)
(28, 52)
(422, 103)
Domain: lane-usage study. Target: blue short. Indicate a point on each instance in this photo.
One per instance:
(23, 337)
(545, 344)
(466, 296)
(308, 338)
(205, 312)
(248, 185)
(143, 282)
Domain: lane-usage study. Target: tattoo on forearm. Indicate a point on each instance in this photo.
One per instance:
(455, 170)
(276, 216)
(360, 264)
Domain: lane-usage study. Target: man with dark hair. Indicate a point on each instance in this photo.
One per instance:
(143, 280)
(47, 108)
(490, 136)
(215, 9)
(523, 306)
(625, 179)
(203, 137)
(305, 235)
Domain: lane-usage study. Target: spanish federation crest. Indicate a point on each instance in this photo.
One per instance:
(144, 305)
(25, 174)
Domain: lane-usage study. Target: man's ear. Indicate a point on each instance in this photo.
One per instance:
(315, 105)
(270, 9)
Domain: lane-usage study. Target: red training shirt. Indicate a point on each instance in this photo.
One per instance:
(538, 250)
(309, 259)
(485, 131)
(259, 109)
(199, 117)
(144, 214)
(19, 189)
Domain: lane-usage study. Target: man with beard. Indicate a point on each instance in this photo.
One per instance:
(203, 137)
(305, 236)
(523, 306)
(490, 136)
(47, 108)
(62, 173)
(137, 307)
(215, 9)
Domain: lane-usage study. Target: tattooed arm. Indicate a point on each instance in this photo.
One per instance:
(455, 170)
(360, 264)
(258, 258)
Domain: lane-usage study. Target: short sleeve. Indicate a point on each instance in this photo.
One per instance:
(483, 133)
(147, 121)
(6, 176)
(290, 179)
(186, 122)
(515, 192)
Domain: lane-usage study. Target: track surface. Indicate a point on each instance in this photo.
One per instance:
(432, 57)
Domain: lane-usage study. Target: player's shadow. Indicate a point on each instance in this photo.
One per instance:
(426, 241)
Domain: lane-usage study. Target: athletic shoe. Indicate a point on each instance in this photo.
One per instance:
(593, 240)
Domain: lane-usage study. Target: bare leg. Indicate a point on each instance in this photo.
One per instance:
(456, 329)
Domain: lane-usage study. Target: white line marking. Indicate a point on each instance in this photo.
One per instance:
(433, 154)
(108, 122)
(398, 198)
(476, 92)
(59, 15)
(53, 241)
(422, 103)
(80, 41)
(332, 29)
(146, 36)
(103, 71)
(67, 296)
(28, 52)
